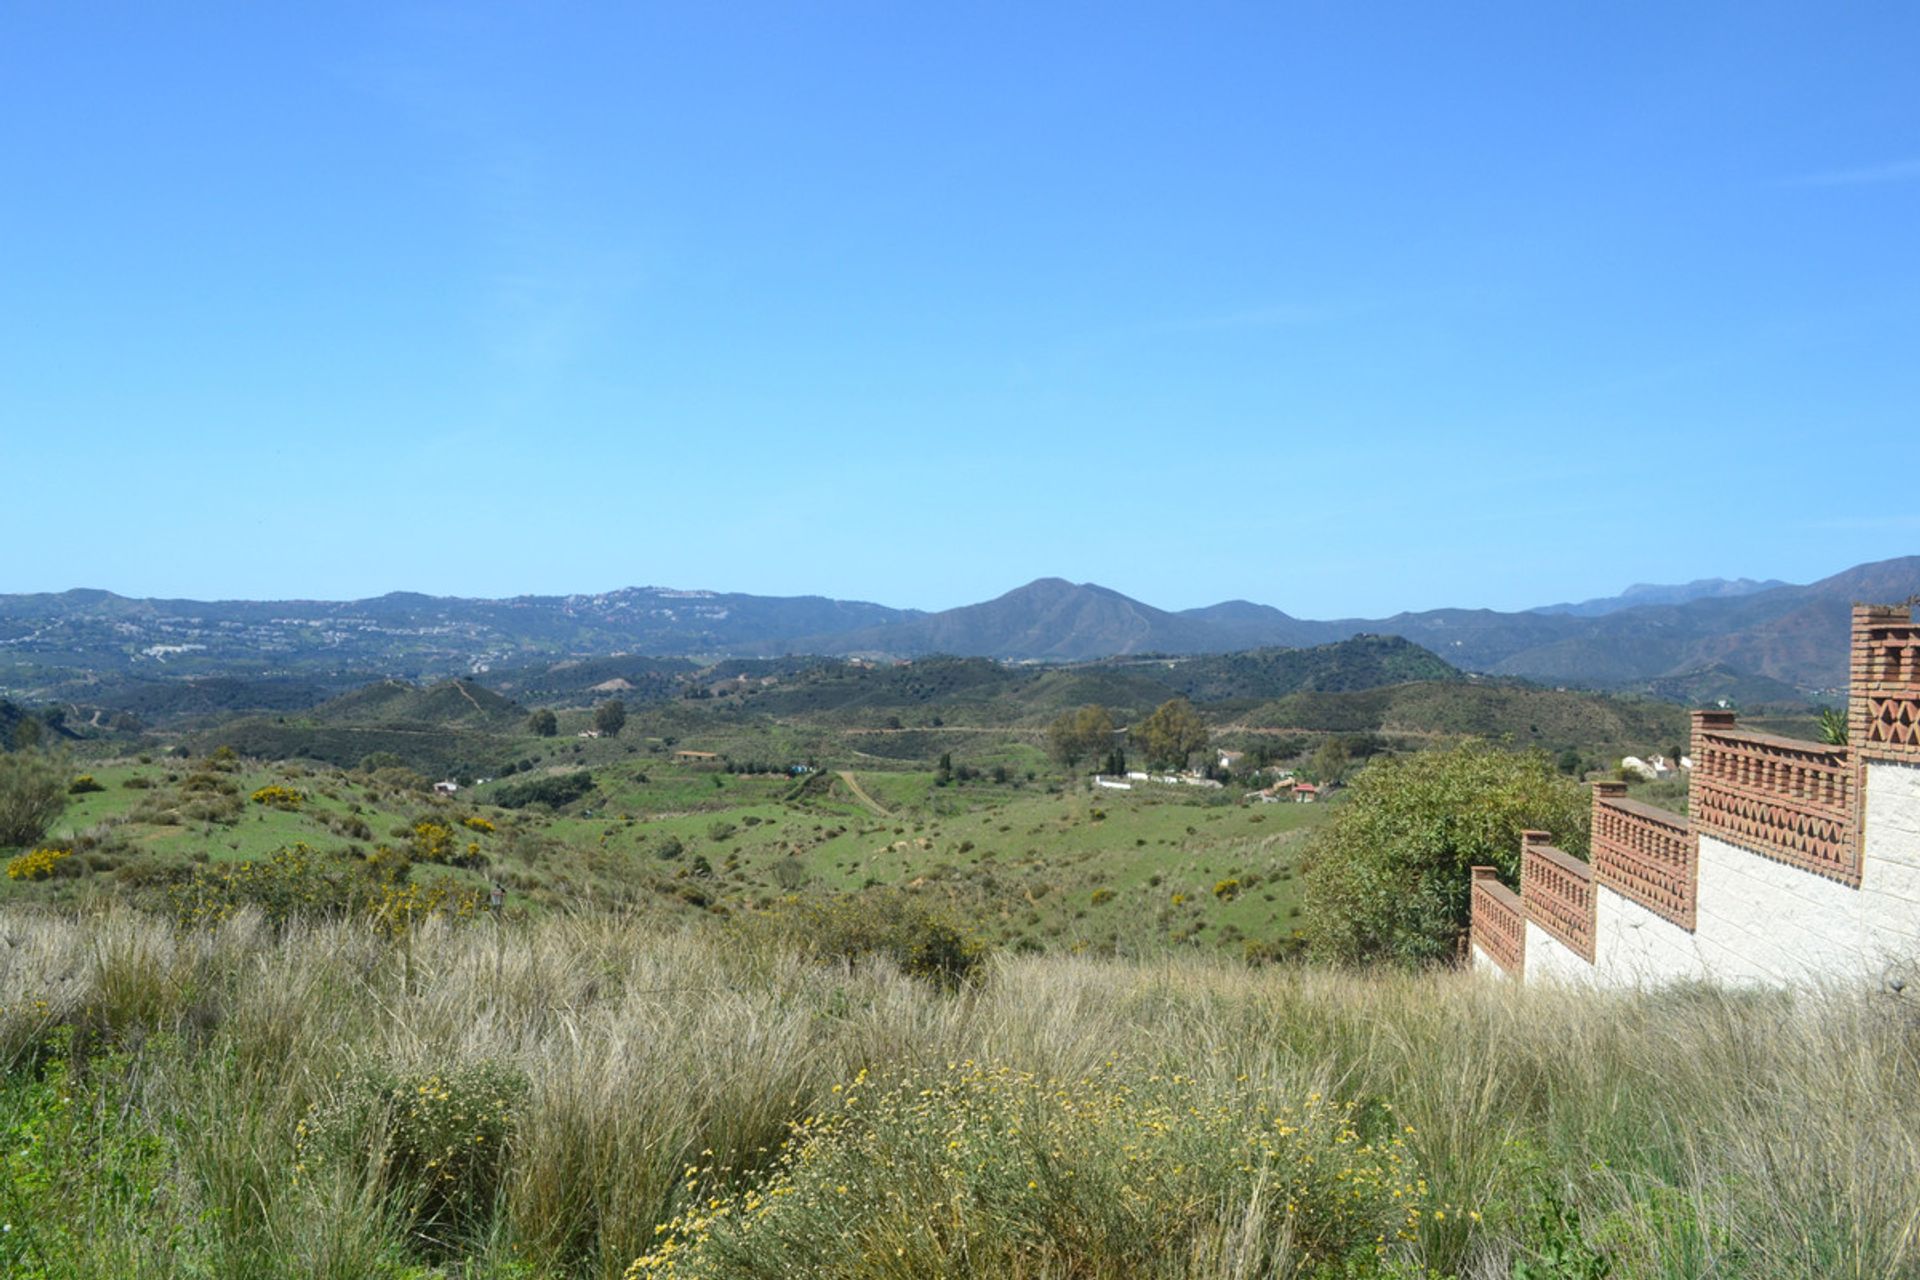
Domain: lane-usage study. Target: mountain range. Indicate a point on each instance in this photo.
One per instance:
(1763, 639)
(1650, 593)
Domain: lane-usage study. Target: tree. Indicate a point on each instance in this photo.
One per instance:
(610, 717)
(1329, 763)
(1388, 879)
(943, 772)
(27, 734)
(543, 723)
(1078, 735)
(33, 791)
(1169, 737)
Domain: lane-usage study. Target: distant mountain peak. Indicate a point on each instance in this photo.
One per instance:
(1653, 593)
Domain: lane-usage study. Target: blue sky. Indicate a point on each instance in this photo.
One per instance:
(1342, 308)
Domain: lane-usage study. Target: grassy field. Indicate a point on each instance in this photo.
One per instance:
(601, 1095)
(1037, 864)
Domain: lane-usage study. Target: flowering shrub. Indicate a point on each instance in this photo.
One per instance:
(398, 906)
(291, 882)
(1102, 895)
(435, 1143)
(1227, 890)
(37, 865)
(279, 797)
(434, 842)
(83, 784)
(299, 882)
(477, 823)
(984, 1170)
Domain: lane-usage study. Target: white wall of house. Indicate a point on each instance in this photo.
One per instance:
(1890, 871)
(1634, 947)
(1764, 921)
(1761, 921)
(1484, 963)
(1551, 960)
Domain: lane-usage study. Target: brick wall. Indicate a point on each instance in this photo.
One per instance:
(1799, 861)
(1883, 704)
(1499, 926)
(1646, 854)
(1783, 798)
(1556, 891)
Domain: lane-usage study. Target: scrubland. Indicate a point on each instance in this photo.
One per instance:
(598, 1095)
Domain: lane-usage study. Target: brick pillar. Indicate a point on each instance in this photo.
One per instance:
(1714, 721)
(1603, 792)
(1868, 669)
(1527, 840)
(1703, 722)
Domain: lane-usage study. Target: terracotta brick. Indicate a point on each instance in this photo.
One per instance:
(1499, 927)
(1556, 892)
(1646, 854)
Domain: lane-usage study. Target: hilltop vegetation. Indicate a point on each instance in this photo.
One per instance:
(1548, 718)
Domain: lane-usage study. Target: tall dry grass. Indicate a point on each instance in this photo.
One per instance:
(1692, 1132)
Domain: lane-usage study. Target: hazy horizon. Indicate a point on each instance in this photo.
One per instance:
(1619, 591)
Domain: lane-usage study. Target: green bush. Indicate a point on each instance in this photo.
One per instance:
(293, 882)
(1388, 878)
(922, 940)
(33, 791)
(556, 791)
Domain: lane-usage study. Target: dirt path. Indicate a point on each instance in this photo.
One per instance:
(860, 794)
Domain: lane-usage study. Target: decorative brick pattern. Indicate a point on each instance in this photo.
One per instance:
(1499, 926)
(1556, 892)
(1883, 706)
(1782, 798)
(1646, 854)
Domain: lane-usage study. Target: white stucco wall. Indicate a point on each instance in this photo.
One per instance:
(1890, 871)
(1764, 921)
(1634, 947)
(1761, 921)
(1484, 963)
(1551, 960)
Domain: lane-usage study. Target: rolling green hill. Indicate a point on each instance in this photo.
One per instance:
(1550, 718)
(579, 681)
(395, 702)
(453, 727)
(982, 691)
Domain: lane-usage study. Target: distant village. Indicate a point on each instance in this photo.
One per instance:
(1284, 787)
